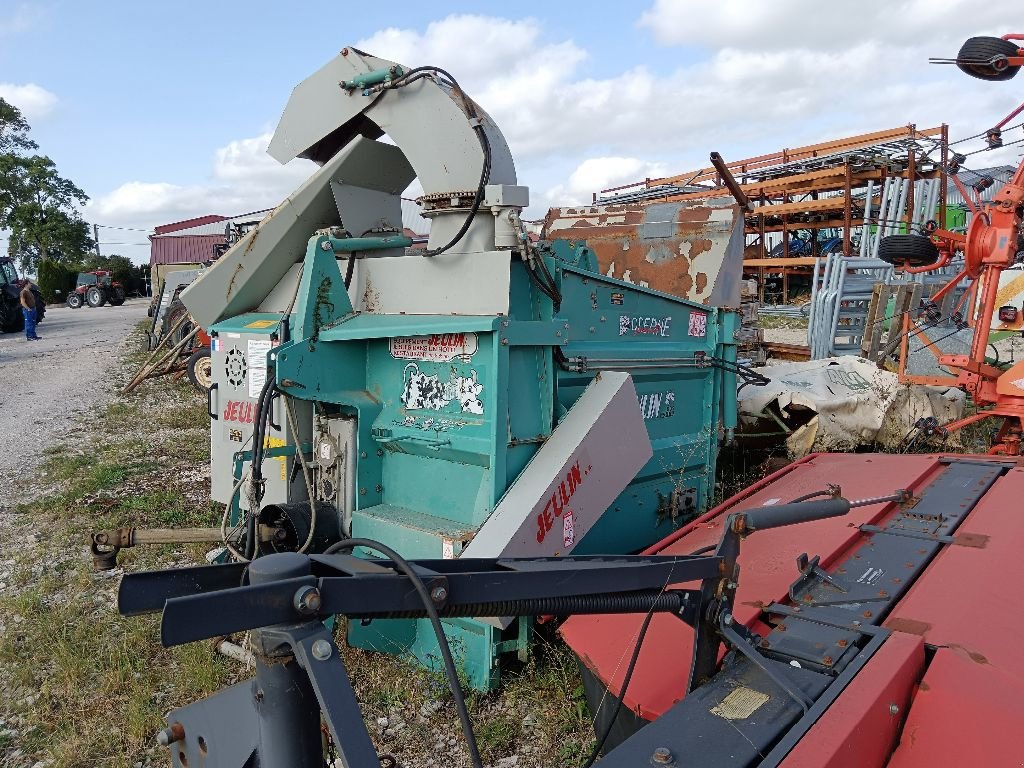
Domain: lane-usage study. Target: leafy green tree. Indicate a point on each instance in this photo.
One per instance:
(38, 205)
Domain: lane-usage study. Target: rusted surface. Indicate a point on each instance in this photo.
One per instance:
(691, 250)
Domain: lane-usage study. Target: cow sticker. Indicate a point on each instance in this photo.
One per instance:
(423, 391)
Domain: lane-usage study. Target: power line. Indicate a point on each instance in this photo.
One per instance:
(126, 229)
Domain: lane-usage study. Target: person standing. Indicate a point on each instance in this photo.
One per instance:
(28, 309)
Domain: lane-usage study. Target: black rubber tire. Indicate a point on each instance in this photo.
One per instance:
(200, 369)
(94, 297)
(74, 300)
(116, 297)
(11, 318)
(977, 52)
(908, 250)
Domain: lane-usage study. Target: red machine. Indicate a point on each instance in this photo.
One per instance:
(992, 244)
(884, 637)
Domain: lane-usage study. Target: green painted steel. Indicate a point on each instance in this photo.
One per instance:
(442, 435)
(352, 244)
(374, 77)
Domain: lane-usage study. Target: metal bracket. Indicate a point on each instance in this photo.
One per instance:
(809, 570)
(908, 534)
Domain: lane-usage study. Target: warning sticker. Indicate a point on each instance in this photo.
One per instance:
(740, 704)
(262, 323)
(437, 347)
(257, 360)
(698, 324)
(568, 531)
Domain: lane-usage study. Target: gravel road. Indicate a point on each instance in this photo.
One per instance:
(44, 383)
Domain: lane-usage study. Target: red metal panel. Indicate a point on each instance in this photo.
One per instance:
(860, 729)
(961, 600)
(605, 643)
(190, 249)
(965, 713)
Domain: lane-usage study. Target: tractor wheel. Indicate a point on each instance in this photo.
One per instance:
(74, 300)
(11, 318)
(985, 58)
(94, 297)
(908, 250)
(117, 297)
(200, 369)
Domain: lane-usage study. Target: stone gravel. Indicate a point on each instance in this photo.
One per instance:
(45, 384)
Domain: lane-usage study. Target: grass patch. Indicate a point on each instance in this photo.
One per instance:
(781, 321)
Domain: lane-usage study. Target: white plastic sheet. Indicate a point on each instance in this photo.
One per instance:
(841, 404)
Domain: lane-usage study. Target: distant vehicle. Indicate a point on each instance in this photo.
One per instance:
(96, 289)
(801, 247)
(11, 318)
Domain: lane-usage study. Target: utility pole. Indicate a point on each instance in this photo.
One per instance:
(96, 237)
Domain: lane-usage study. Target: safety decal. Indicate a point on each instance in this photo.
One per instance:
(640, 325)
(257, 362)
(428, 392)
(262, 323)
(698, 324)
(435, 348)
(568, 531)
(618, 299)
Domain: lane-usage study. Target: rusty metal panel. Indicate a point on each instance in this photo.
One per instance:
(693, 250)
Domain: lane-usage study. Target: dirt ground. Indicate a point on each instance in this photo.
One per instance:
(44, 384)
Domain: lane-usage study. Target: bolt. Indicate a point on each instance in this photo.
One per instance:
(894, 709)
(362, 491)
(362, 454)
(504, 342)
(321, 649)
(727, 619)
(380, 451)
(378, 488)
(326, 246)
(439, 594)
(661, 756)
(558, 333)
(174, 732)
(307, 600)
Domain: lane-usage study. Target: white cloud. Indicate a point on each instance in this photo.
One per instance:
(243, 178)
(34, 101)
(600, 173)
(786, 24)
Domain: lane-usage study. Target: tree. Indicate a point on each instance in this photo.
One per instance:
(37, 204)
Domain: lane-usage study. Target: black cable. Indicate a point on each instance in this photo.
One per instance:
(622, 692)
(812, 495)
(263, 407)
(418, 73)
(350, 270)
(435, 621)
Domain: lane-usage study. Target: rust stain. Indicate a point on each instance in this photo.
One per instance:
(973, 540)
(908, 626)
(924, 686)
(976, 657)
(702, 282)
(700, 245)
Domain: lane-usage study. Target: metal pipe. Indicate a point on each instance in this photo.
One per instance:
(886, 188)
(349, 244)
(863, 249)
(236, 652)
(730, 182)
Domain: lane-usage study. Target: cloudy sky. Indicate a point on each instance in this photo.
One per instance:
(162, 111)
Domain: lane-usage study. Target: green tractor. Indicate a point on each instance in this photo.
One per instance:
(96, 289)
